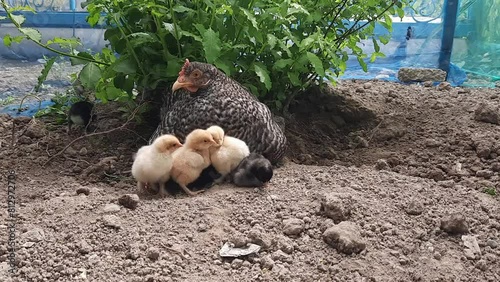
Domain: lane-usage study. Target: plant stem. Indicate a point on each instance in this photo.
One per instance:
(18, 26)
(176, 30)
(334, 18)
(129, 46)
(352, 30)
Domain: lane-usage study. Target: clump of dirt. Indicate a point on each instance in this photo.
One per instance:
(405, 191)
(418, 131)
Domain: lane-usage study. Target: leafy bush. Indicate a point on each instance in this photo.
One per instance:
(275, 48)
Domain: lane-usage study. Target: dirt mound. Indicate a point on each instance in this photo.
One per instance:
(405, 192)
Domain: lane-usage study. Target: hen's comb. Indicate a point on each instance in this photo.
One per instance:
(186, 64)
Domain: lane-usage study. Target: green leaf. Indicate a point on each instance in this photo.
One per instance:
(125, 64)
(223, 66)
(294, 78)
(90, 75)
(45, 72)
(112, 93)
(65, 42)
(282, 63)
(173, 69)
(376, 47)
(82, 61)
(19, 19)
(261, 71)
(31, 33)
(211, 45)
(141, 38)
(2, 18)
(250, 17)
(8, 39)
(362, 64)
(317, 64)
(271, 40)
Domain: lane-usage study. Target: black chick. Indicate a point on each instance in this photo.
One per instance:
(80, 113)
(205, 96)
(253, 171)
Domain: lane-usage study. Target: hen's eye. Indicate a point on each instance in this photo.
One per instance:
(196, 74)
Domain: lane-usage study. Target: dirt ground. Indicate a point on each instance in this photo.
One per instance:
(383, 182)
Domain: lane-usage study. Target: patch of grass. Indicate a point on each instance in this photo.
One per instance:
(59, 110)
(490, 191)
(7, 101)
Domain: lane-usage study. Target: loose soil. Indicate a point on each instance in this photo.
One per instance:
(374, 168)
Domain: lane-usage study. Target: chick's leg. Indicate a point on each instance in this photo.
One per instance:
(163, 189)
(140, 187)
(189, 192)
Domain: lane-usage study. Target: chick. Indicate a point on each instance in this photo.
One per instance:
(227, 154)
(80, 113)
(152, 163)
(192, 159)
(253, 171)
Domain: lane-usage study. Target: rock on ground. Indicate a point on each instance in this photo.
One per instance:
(421, 74)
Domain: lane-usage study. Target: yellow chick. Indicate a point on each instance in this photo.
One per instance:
(152, 163)
(228, 153)
(190, 160)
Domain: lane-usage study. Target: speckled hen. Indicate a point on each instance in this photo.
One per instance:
(204, 96)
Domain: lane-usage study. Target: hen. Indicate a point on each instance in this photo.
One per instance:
(204, 96)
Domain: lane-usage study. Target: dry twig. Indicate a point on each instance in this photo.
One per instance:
(93, 134)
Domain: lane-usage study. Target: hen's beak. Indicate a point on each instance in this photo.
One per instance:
(181, 82)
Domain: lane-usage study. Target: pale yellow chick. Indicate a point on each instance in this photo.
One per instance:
(192, 159)
(228, 152)
(152, 163)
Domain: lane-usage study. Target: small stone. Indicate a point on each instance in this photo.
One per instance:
(84, 247)
(492, 244)
(129, 201)
(447, 183)
(83, 151)
(361, 142)
(382, 165)
(483, 149)
(484, 173)
(482, 265)
(238, 241)
(34, 235)
(267, 262)
(428, 83)
(293, 226)
(444, 86)
(415, 208)
(279, 255)
(28, 245)
(336, 206)
(111, 221)
(345, 237)
(153, 253)
(454, 224)
(495, 167)
(367, 85)
(237, 263)
(421, 74)
(487, 113)
(35, 131)
(111, 208)
(202, 227)
(134, 252)
(257, 237)
(285, 244)
(83, 190)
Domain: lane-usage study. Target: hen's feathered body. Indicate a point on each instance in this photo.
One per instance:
(224, 102)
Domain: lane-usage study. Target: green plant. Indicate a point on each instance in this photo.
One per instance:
(490, 191)
(59, 110)
(7, 101)
(274, 48)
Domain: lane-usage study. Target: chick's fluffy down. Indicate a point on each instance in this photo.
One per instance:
(150, 166)
(187, 165)
(227, 157)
